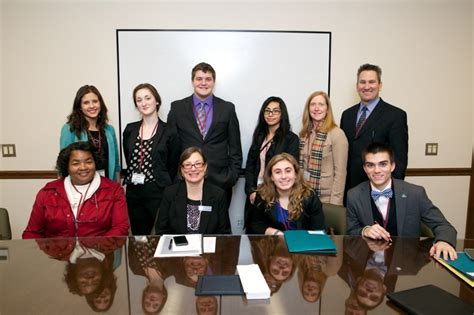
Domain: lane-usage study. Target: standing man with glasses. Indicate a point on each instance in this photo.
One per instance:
(209, 122)
(373, 120)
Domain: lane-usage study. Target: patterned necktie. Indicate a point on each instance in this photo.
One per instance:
(361, 120)
(388, 193)
(202, 119)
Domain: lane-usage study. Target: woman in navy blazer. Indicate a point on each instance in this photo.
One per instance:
(285, 201)
(193, 205)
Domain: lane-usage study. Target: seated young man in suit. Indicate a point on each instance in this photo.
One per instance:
(385, 206)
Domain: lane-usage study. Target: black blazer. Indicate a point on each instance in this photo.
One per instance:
(289, 145)
(164, 151)
(386, 124)
(221, 146)
(262, 217)
(172, 216)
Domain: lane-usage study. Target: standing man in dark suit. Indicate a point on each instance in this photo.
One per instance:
(208, 122)
(373, 120)
(384, 206)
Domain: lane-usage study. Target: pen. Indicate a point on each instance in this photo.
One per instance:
(171, 244)
(389, 239)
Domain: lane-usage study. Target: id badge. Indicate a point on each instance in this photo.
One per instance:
(101, 172)
(205, 208)
(138, 178)
(306, 175)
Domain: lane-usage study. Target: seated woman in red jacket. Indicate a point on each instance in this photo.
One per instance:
(80, 203)
(285, 201)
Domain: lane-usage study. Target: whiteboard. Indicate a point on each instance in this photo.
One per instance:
(250, 66)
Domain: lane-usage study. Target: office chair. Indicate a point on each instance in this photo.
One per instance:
(335, 217)
(5, 229)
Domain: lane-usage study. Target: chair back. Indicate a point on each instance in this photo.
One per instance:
(335, 217)
(5, 228)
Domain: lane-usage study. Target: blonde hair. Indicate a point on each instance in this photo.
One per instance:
(307, 122)
(300, 190)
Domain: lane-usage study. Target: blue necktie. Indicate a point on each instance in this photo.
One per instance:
(361, 120)
(388, 193)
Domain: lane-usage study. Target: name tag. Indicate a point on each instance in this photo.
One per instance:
(101, 172)
(138, 179)
(205, 208)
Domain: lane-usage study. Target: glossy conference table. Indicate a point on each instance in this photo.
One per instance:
(120, 275)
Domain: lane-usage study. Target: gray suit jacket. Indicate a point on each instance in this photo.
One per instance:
(413, 207)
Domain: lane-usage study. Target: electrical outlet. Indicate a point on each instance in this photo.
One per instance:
(431, 149)
(8, 150)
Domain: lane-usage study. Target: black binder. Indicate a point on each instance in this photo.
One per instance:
(219, 285)
(430, 300)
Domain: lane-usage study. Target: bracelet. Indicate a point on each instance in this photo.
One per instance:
(276, 232)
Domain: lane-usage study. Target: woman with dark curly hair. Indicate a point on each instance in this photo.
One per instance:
(80, 202)
(88, 122)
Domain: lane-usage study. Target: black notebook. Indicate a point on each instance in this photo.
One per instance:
(430, 300)
(219, 285)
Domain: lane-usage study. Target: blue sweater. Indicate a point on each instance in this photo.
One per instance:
(68, 137)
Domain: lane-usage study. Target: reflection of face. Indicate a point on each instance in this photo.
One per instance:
(311, 291)
(81, 167)
(194, 267)
(203, 83)
(280, 267)
(146, 102)
(379, 169)
(272, 119)
(318, 108)
(102, 301)
(206, 305)
(353, 307)
(90, 106)
(152, 301)
(194, 174)
(370, 292)
(368, 86)
(283, 175)
(88, 277)
(271, 282)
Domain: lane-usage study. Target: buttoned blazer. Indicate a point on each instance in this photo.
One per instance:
(221, 146)
(386, 124)
(412, 207)
(172, 215)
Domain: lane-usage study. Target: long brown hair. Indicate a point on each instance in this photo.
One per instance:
(76, 120)
(307, 123)
(300, 190)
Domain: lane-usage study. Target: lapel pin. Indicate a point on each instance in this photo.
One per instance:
(404, 196)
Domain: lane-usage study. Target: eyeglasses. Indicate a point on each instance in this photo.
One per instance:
(275, 112)
(197, 165)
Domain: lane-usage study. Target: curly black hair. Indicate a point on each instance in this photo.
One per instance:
(62, 163)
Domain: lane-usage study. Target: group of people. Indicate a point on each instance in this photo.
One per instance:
(180, 174)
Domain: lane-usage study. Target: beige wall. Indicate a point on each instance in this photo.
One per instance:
(50, 48)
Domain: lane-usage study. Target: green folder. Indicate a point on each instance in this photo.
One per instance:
(463, 264)
(302, 241)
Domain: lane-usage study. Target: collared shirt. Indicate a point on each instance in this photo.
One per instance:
(382, 202)
(370, 108)
(208, 107)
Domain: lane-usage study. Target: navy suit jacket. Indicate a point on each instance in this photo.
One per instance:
(412, 207)
(386, 124)
(221, 146)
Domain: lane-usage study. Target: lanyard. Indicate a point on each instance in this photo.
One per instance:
(141, 141)
(99, 145)
(81, 203)
(202, 125)
(280, 209)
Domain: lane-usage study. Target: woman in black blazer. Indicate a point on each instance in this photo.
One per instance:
(271, 136)
(150, 154)
(285, 201)
(193, 205)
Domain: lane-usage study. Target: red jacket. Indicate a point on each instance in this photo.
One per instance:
(105, 213)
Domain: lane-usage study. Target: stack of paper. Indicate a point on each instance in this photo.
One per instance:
(167, 248)
(253, 282)
(301, 241)
(463, 267)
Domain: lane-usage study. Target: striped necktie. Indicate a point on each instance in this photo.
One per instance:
(202, 119)
(361, 120)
